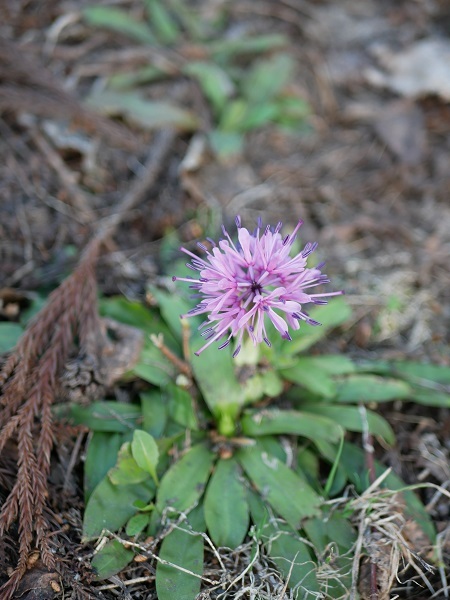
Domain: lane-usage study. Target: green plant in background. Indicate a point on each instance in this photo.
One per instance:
(199, 457)
(246, 80)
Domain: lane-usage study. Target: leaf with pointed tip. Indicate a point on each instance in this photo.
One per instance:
(226, 507)
(289, 495)
(370, 388)
(111, 559)
(126, 470)
(118, 20)
(145, 452)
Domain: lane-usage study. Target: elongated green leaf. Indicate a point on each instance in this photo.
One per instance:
(312, 378)
(127, 470)
(428, 397)
(106, 416)
(214, 81)
(288, 551)
(371, 388)
(289, 495)
(224, 49)
(331, 364)
(150, 114)
(184, 550)
(332, 315)
(137, 315)
(101, 456)
(110, 506)
(413, 371)
(137, 524)
(171, 307)
(351, 419)
(154, 412)
(9, 336)
(181, 408)
(226, 506)
(214, 373)
(145, 452)
(111, 559)
(266, 422)
(267, 77)
(154, 367)
(118, 20)
(183, 484)
(122, 81)
(165, 27)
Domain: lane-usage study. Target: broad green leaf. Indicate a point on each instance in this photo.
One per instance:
(127, 470)
(256, 116)
(165, 27)
(292, 112)
(151, 114)
(214, 81)
(226, 506)
(267, 78)
(351, 419)
(288, 551)
(111, 506)
(313, 379)
(289, 495)
(275, 421)
(215, 376)
(106, 416)
(335, 313)
(330, 364)
(118, 20)
(182, 548)
(137, 524)
(181, 408)
(428, 397)
(9, 336)
(233, 115)
(111, 559)
(145, 452)
(135, 314)
(183, 484)
(370, 388)
(101, 456)
(154, 412)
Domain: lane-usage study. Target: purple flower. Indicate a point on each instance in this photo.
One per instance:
(241, 284)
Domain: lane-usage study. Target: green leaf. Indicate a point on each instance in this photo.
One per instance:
(111, 506)
(350, 418)
(154, 367)
(370, 388)
(183, 484)
(137, 524)
(267, 78)
(151, 114)
(428, 397)
(413, 371)
(126, 470)
(335, 313)
(101, 456)
(226, 143)
(171, 307)
(225, 49)
(145, 452)
(148, 74)
(274, 421)
(262, 384)
(181, 407)
(154, 412)
(214, 81)
(289, 495)
(106, 416)
(226, 506)
(181, 548)
(118, 20)
(313, 379)
(165, 27)
(288, 551)
(9, 336)
(111, 559)
(215, 376)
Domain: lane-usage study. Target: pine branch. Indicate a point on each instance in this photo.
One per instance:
(30, 381)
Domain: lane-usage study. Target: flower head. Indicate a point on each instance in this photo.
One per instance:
(242, 286)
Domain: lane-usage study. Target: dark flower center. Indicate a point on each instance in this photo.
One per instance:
(256, 287)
